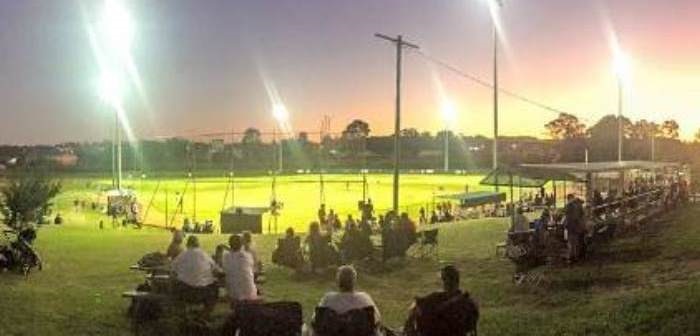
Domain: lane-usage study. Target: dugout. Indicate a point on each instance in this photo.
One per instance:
(238, 219)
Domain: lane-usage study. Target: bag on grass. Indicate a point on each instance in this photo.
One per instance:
(153, 259)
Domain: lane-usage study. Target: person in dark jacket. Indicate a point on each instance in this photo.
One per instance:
(575, 227)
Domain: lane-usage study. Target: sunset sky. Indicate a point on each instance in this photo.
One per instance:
(203, 64)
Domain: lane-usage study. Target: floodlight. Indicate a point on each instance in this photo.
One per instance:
(279, 111)
(116, 27)
(621, 65)
(111, 88)
(449, 113)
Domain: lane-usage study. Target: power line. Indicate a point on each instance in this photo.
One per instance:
(489, 85)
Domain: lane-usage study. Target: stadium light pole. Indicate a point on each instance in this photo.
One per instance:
(111, 93)
(281, 115)
(621, 68)
(449, 115)
(116, 32)
(400, 44)
(494, 7)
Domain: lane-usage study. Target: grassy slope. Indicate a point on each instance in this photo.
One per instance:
(644, 284)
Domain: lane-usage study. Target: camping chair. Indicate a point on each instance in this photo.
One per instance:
(265, 319)
(427, 244)
(455, 316)
(357, 322)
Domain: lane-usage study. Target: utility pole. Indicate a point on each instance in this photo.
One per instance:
(619, 118)
(447, 150)
(400, 44)
(495, 96)
(499, 4)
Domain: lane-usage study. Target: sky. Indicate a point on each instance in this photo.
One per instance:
(207, 66)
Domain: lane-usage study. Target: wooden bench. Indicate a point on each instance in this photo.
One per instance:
(136, 295)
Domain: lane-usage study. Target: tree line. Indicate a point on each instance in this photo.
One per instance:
(569, 140)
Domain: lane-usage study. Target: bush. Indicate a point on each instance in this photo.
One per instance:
(27, 198)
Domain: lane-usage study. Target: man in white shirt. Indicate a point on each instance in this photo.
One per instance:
(194, 271)
(238, 266)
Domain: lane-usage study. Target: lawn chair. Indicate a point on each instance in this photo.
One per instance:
(265, 319)
(427, 244)
(357, 322)
(455, 316)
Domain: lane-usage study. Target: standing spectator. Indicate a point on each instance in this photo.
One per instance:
(575, 227)
(322, 216)
(250, 248)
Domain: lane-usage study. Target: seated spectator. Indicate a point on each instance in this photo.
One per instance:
(422, 217)
(409, 229)
(288, 252)
(434, 219)
(449, 312)
(321, 251)
(218, 256)
(250, 248)
(195, 277)
(238, 267)
(208, 226)
(187, 226)
(175, 247)
(347, 299)
(58, 220)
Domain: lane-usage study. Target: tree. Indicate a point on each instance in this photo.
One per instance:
(669, 129)
(410, 133)
(356, 129)
(251, 136)
(303, 138)
(27, 199)
(697, 136)
(603, 137)
(566, 126)
(643, 129)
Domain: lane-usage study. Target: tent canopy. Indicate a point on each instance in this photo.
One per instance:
(473, 199)
(537, 175)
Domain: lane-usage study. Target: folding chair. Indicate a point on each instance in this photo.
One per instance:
(265, 319)
(456, 316)
(357, 322)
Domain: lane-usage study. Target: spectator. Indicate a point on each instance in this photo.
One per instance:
(575, 227)
(422, 218)
(409, 229)
(322, 217)
(238, 267)
(288, 252)
(521, 223)
(58, 220)
(250, 248)
(347, 298)
(218, 256)
(175, 247)
(321, 252)
(450, 312)
(194, 272)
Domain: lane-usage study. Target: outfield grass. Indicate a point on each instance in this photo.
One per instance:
(299, 193)
(643, 284)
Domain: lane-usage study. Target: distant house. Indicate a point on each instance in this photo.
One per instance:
(65, 159)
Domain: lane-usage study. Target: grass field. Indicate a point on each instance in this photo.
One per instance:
(643, 284)
(299, 193)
